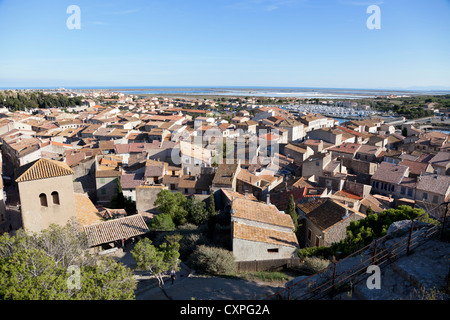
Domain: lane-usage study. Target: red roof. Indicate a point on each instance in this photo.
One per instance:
(359, 134)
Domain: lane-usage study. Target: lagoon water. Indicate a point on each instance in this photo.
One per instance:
(320, 93)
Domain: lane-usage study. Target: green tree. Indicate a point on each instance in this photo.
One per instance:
(196, 211)
(212, 215)
(362, 232)
(172, 204)
(31, 275)
(162, 222)
(119, 201)
(211, 205)
(156, 260)
(35, 266)
(107, 280)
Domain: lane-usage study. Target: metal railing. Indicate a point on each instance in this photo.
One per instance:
(333, 279)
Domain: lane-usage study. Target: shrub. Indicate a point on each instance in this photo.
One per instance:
(314, 264)
(212, 260)
(322, 252)
(190, 242)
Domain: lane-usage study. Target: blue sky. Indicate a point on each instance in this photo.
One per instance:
(295, 43)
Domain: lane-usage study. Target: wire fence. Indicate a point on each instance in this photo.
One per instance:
(341, 274)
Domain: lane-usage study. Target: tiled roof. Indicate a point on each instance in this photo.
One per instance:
(389, 172)
(434, 183)
(252, 233)
(329, 213)
(346, 148)
(225, 174)
(42, 169)
(261, 212)
(75, 158)
(86, 212)
(347, 194)
(232, 194)
(155, 170)
(116, 229)
(131, 180)
(414, 166)
(281, 199)
(168, 179)
(307, 207)
(441, 158)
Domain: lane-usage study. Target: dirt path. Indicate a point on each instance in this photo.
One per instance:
(209, 288)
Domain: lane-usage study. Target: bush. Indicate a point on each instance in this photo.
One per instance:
(315, 265)
(322, 252)
(190, 242)
(212, 260)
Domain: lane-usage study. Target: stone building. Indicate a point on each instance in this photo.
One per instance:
(261, 232)
(46, 194)
(324, 221)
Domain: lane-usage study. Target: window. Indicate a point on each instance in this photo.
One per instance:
(309, 234)
(55, 197)
(425, 196)
(410, 192)
(102, 180)
(43, 199)
(274, 250)
(435, 199)
(403, 190)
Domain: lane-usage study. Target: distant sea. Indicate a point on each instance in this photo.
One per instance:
(300, 92)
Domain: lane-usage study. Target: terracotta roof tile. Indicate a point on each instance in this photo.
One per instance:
(252, 233)
(116, 229)
(86, 212)
(261, 212)
(42, 169)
